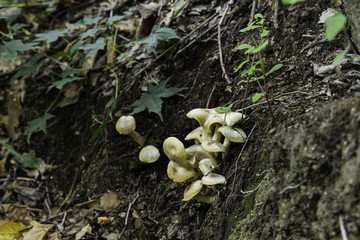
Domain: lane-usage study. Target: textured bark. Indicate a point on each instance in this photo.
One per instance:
(352, 8)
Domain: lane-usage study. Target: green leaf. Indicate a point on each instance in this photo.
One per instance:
(274, 68)
(356, 59)
(27, 69)
(241, 65)
(250, 50)
(152, 99)
(90, 33)
(264, 33)
(251, 27)
(37, 124)
(51, 36)
(256, 97)
(291, 1)
(259, 18)
(158, 34)
(59, 84)
(87, 20)
(259, 48)
(118, 18)
(27, 160)
(244, 46)
(93, 47)
(76, 46)
(67, 72)
(10, 49)
(340, 57)
(334, 25)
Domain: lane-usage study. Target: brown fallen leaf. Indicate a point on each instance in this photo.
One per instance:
(38, 231)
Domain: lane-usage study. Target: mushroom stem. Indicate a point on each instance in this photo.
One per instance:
(213, 160)
(137, 138)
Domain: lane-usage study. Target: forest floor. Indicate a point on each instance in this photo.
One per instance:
(295, 177)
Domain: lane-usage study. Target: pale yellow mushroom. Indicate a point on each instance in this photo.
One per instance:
(126, 125)
(192, 190)
(149, 154)
(213, 179)
(178, 173)
(212, 147)
(175, 151)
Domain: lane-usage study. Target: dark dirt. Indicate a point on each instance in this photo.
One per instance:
(296, 178)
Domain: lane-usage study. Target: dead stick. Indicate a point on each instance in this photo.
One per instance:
(219, 42)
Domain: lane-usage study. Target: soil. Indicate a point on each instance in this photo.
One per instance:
(296, 177)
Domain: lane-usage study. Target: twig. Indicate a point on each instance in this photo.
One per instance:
(251, 191)
(290, 187)
(210, 96)
(219, 42)
(237, 159)
(342, 229)
(252, 12)
(276, 13)
(128, 211)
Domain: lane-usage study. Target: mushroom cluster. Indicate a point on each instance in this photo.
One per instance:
(126, 125)
(198, 163)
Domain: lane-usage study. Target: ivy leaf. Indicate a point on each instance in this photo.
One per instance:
(152, 99)
(89, 33)
(10, 49)
(59, 84)
(27, 160)
(158, 34)
(51, 36)
(37, 124)
(115, 19)
(93, 47)
(28, 69)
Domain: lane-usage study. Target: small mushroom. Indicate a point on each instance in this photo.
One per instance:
(149, 154)
(175, 151)
(178, 173)
(235, 135)
(126, 125)
(213, 179)
(195, 134)
(205, 166)
(212, 147)
(192, 190)
(197, 151)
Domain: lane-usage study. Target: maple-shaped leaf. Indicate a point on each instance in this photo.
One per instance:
(10, 49)
(27, 160)
(37, 124)
(152, 99)
(159, 33)
(93, 47)
(50, 36)
(27, 69)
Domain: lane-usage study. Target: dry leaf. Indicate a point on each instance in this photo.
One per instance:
(2, 164)
(109, 202)
(84, 230)
(38, 231)
(14, 112)
(72, 92)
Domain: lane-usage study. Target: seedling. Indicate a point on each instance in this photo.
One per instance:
(254, 62)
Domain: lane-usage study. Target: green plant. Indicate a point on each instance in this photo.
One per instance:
(152, 99)
(253, 60)
(27, 160)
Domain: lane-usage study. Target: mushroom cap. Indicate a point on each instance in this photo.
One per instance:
(125, 125)
(197, 151)
(195, 134)
(192, 190)
(213, 179)
(208, 199)
(236, 135)
(233, 118)
(175, 151)
(213, 146)
(205, 166)
(199, 114)
(149, 154)
(178, 173)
